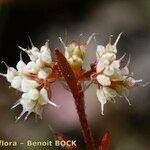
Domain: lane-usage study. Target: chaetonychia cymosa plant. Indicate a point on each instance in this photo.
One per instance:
(34, 80)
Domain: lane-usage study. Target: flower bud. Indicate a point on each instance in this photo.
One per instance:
(16, 82)
(43, 73)
(28, 85)
(103, 80)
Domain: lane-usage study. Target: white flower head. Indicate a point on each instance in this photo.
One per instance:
(75, 52)
(112, 79)
(34, 101)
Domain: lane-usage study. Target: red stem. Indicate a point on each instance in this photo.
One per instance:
(76, 89)
(79, 102)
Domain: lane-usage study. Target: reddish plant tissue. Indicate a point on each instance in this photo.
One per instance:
(78, 96)
(105, 141)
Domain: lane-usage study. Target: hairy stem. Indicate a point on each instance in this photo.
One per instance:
(78, 95)
(79, 102)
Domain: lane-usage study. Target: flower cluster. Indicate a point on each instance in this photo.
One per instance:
(32, 80)
(112, 79)
(75, 52)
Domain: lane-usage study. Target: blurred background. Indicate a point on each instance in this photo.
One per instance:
(49, 19)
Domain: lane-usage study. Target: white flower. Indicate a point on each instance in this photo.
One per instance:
(28, 85)
(31, 67)
(44, 73)
(103, 80)
(11, 74)
(45, 55)
(16, 82)
(75, 53)
(34, 101)
(20, 66)
(101, 65)
(33, 53)
(112, 80)
(109, 49)
(105, 94)
(75, 61)
(41, 56)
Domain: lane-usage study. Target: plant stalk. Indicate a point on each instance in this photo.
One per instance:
(80, 106)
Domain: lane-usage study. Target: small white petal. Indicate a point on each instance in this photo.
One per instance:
(109, 71)
(31, 67)
(27, 85)
(46, 57)
(16, 82)
(115, 64)
(102, 99)
(20, 66)
(109, 56)
(34, 94)
(11, 73)
(111, 48)
(125, 71)
(43, 74)
(44, 96)
(103, 80)
(102, 63)
(100, 51)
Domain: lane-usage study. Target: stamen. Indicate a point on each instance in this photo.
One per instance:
(3, 75)
(21, 56)
(117, 39)
(62, 42)
(3, 62)
(47, 44)
(94, 38)
(53, 104)
(127, 100)
(110, 38)
(15, 104)
(89, 39)
(32, 45)
(145, 84)
(102, 109)
(27, 115)
(122, 57)
(128, 61)
(23, 49)
(22, 113)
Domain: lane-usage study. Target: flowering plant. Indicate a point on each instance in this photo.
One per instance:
(34, 80)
